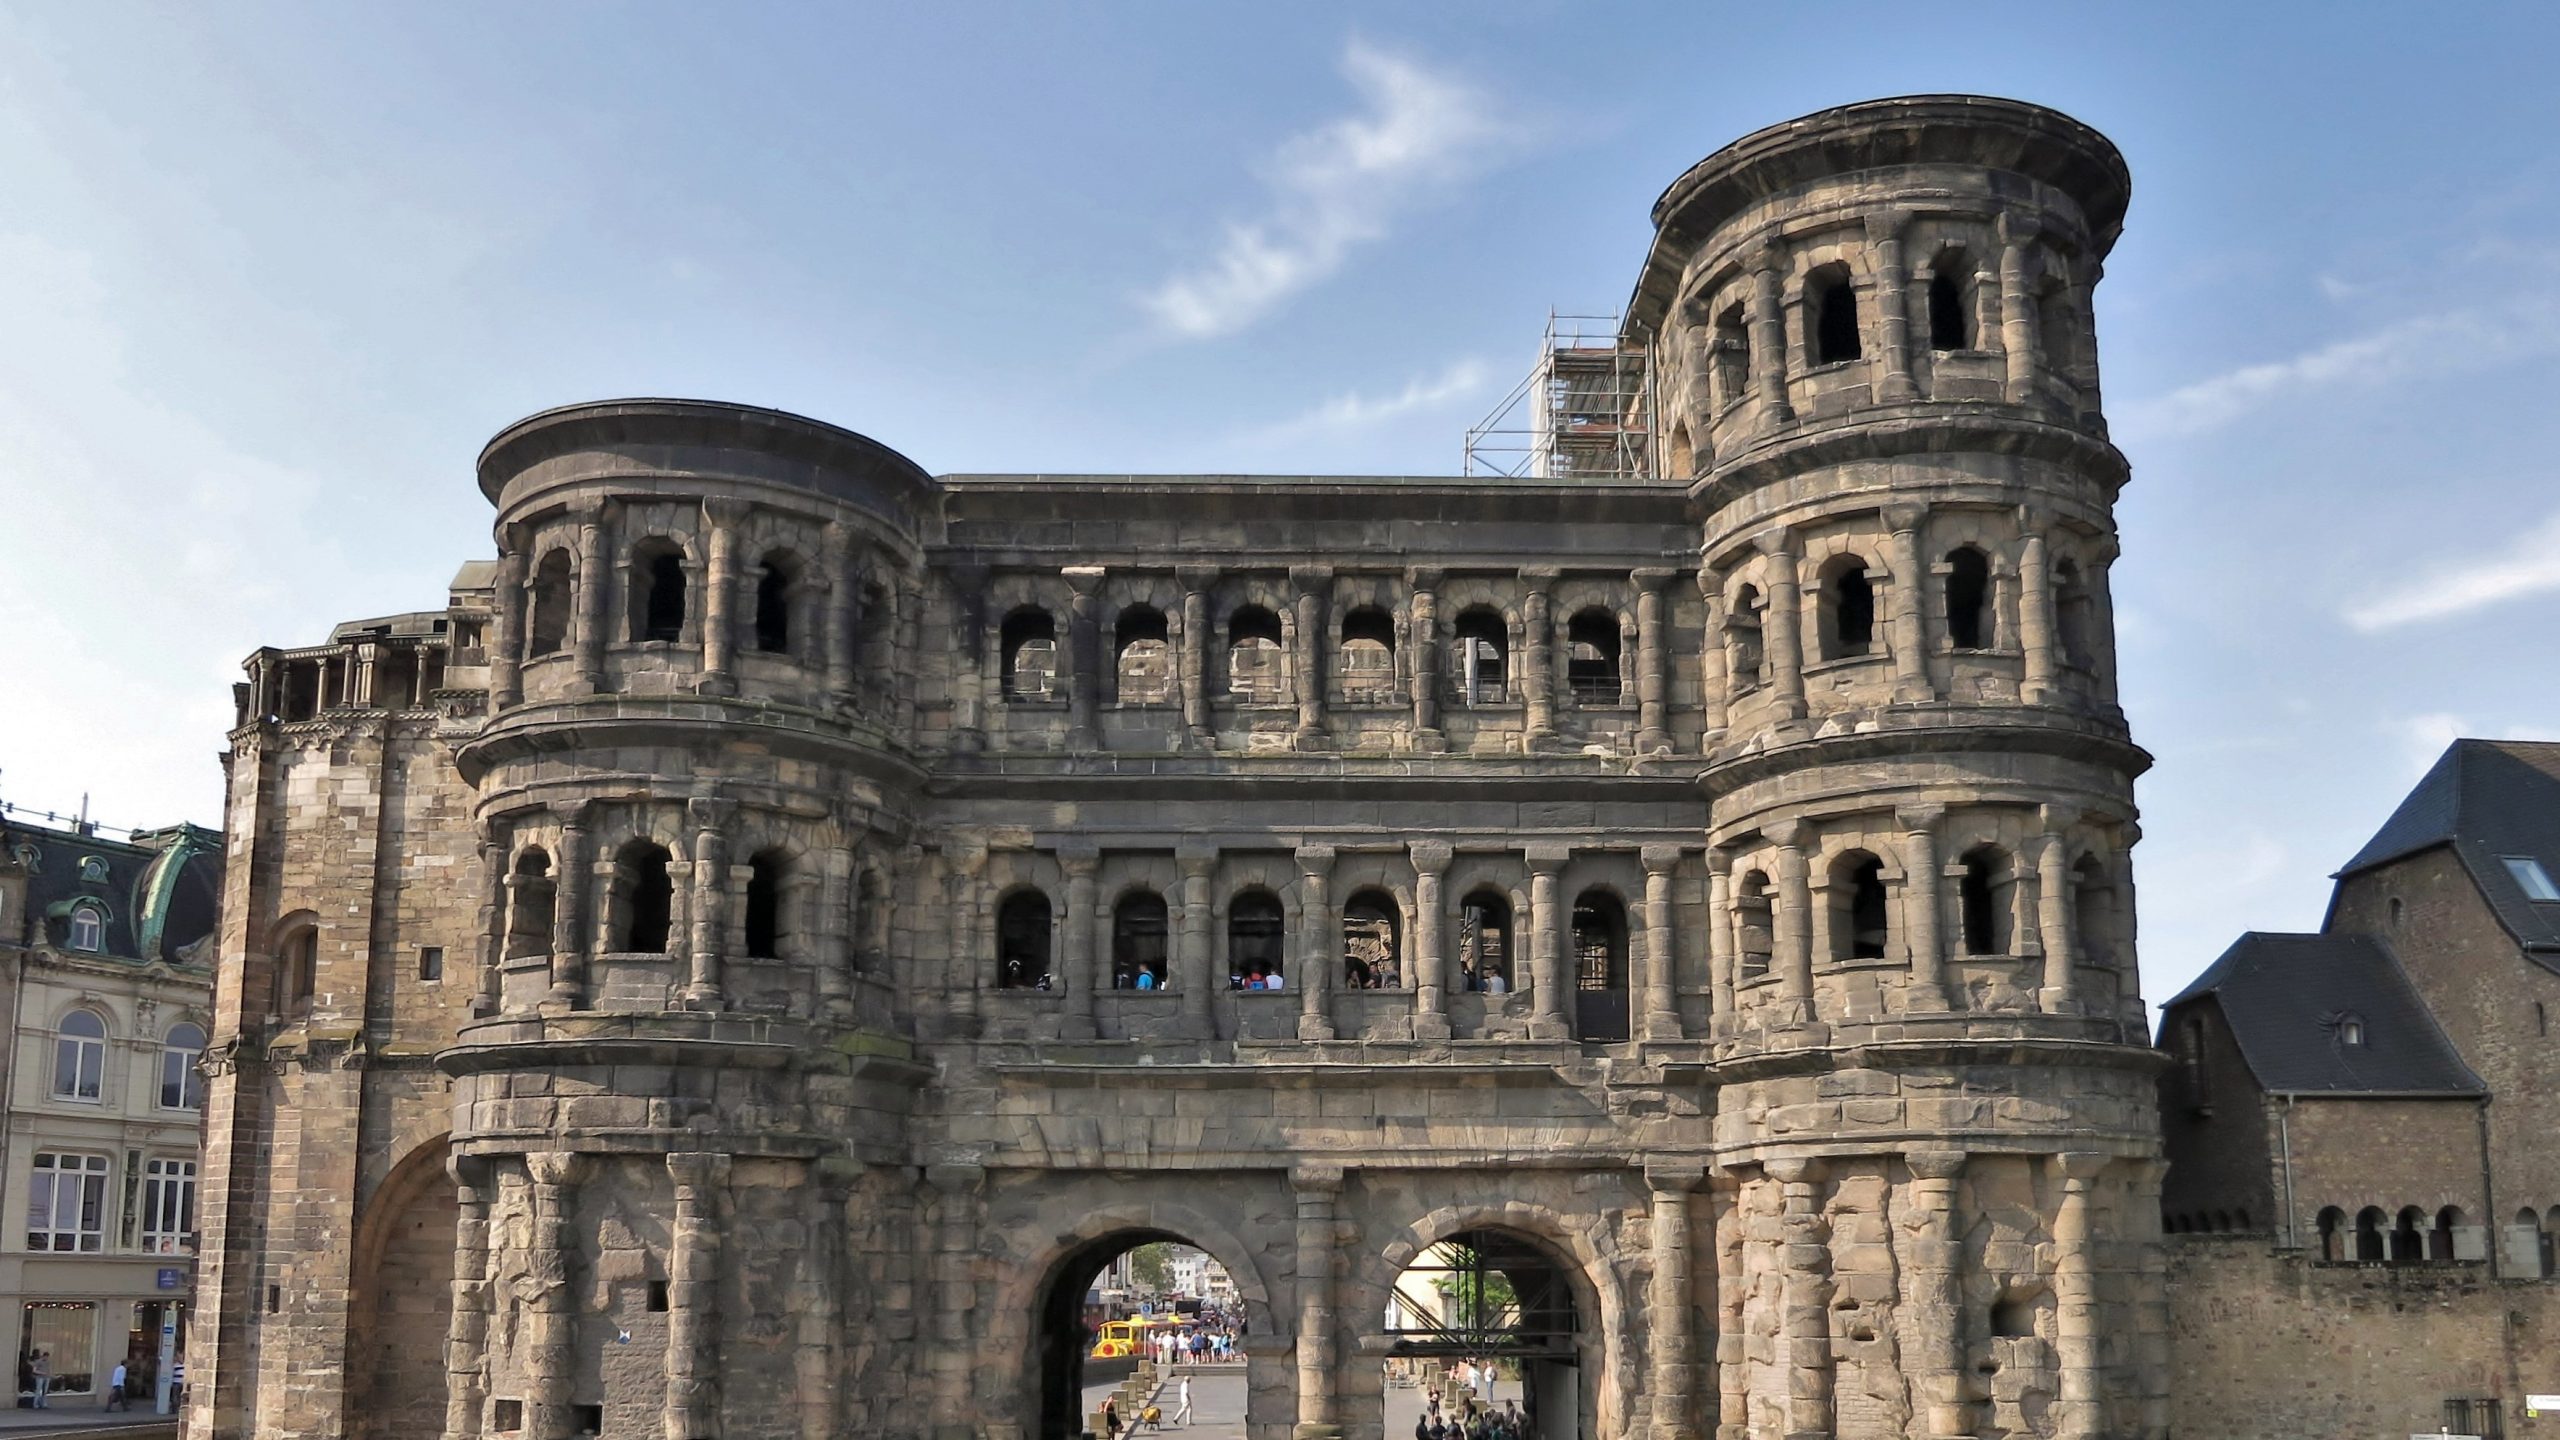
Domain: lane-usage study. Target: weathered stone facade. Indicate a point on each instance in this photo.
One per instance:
(799, 826)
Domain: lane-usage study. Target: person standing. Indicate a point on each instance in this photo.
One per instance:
(115, 1389)
(1182, 1403)
(44, 1376)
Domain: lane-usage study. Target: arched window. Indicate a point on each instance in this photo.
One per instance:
(530, 897)
(768, 894)
(1484, 941)
(298, 971)
(2075, 613)
(1859, 925)
(870, 927)
(777, 597)
(2409, 1236)
(2093, 910)
(1754, 925)
(1983, 897)
(1142, 657)
(88, 929)
(1255, 923)
(2440, 1239)
(1030, 655)
(1680, 457)
(1848, 609)
(1368, 656)
(1600, 966)
(2371, 1242)
(657, 603)
(1372, 958)
(1591, 657)
(79, 1056)
(2333, 1236)
(1483, 649)
(554, 591)
(1022, 941)
(1833, 301)
(647, 897)
(1950, 308)
(1745, 661)
(1137, 942)
(1254, 657)
(181, 1088)
(1968, 599)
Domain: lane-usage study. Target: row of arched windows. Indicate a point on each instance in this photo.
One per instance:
(1371, 936)
(1846, 614)
(80, 1061)
(643, 902)
(2413, 1237)
(1861, 913)
(1835, 335)
(656, 586)
(1365, 656)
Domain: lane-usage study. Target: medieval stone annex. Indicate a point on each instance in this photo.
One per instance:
(743, 963)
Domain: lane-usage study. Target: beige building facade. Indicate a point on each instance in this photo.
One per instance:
(110, 984)
(746, 963)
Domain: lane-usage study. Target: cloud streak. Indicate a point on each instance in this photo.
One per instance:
(1352, 411)
(2527, 564)
(1335, 188)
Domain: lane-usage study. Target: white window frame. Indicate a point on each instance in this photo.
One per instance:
(88, 933)
(168, 1205)
(185, 1057)
(83, 1178)
(88, 1057)
(2529, 874)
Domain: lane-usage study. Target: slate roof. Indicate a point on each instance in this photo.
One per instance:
(2284, 996)
(156, 894)
(2488, 799)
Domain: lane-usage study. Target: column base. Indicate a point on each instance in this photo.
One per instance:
(1897, 388)
(1315, 1432)
(2037, 695)
(715, 685)
(1661, 1025)
(1432, 1026)
(1315, 1027)
(1545, 1027)
(1536, 741)
(1306, 739)
(1653, 742)
(1914, 695)
(1079, 1030)
(1428, 742)
(704, 997)
(2055, 1001)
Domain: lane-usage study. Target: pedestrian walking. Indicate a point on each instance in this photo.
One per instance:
(1182, 1403)
(115, 1388)
(44, 1376)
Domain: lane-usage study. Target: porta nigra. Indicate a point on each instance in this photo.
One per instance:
(739, 965)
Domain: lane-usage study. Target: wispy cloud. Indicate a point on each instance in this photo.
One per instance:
(2526, 564)
(1337, 187)
(2423, 345)
(1353, 411)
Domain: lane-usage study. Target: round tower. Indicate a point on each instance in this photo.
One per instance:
(1877, 370)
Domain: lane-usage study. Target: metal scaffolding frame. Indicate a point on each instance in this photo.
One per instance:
(1583, 412)
(1537, 1321)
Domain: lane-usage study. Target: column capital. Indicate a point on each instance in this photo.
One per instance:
(1082, 579)
(1916, 818)
(1311, 1181)
(1315, 859)
(1423, 578)
(709, 812)
(956, 1178)
(2017, 229)
(1079, 857)
(1539, 577)
(1776, 541)
(1904, 519)
(837, 1175)
(1652, 577)
(1769, 252)
(2077, 1168)
(697, 1170)
(726, 510)
(514, 538)
(2034, 523)
(1786, 834)
(2055, 819)
(965, 854)
(1430, 857)
(469, 1172)
(1674, 1177)
(1546, 857)
(1312, 579)
(1795, 1170)
(1196, 578)
(1659, 859)
(558, 1167)
(1885, 225)
(1196, 857)
(1936, 1164)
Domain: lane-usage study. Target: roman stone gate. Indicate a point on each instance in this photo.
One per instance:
(739, 966)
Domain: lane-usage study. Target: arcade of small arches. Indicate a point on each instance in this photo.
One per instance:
(2411, 1235)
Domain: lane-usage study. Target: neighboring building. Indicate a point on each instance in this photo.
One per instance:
(747, 963)
(109, 975)
(2363, 1128)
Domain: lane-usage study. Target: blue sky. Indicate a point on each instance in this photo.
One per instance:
(270, 274)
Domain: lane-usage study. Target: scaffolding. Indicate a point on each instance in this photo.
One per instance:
(1582, 413)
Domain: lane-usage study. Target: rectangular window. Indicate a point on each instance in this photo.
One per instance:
(506, 1416)
(2475, 1417)
(430, 962)
(65, 1332)
(67, 1203)
(2529, 874)
(169, 1207)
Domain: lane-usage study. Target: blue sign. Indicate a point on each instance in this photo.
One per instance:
(172, 1279)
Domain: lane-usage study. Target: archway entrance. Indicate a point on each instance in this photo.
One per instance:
(1105, 1321)
(1485, 1318)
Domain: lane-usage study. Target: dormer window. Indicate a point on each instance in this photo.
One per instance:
(88, 930)
(93, 870)
(2531, 877)
(2351, 1030)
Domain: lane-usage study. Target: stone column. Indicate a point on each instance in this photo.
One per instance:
(1079, 858)
(595, 570)
(955, 1296)
(551, 1314)
(1933, 1290)
(1653, 663)
(1546, 943)
(1199, 862)
(2081, 1411)
(1922, 907)
(1720, 939)
(466, 1349)
(1769, 335)
(1315, 590)
(569, 896)
(506, 647)
(2017, 310)
(1893, 303)
(1430, 940)
(1783, 640)
(1715, 674)
(2060, 995)
(693, 1296)
(2102, 619)
(497, 911)
(836, 920)
(1195, 653)
(1084, 657)
(1315, 1188)
(964, 858)
(1537, 658)
(971, 670)
(720, 518)
(1319, 944)
(1670, 1305)
(1423, 652)
(820, 1307)
(842, 594)
(1910, 631)
(906, 612)
(1804, 1324)
(1793, 932)
(1733, 1392)
(711, 877)
(1661, 1002)
(2151, 1289)
(2035, 612)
